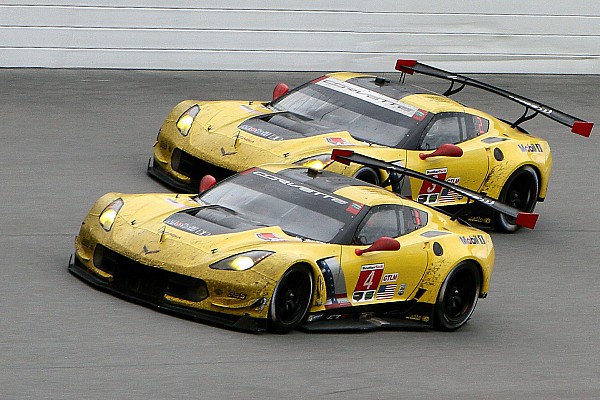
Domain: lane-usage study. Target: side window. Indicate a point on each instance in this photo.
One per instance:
(442, 130)
(413, 219)
(475, 126)
(390, 221)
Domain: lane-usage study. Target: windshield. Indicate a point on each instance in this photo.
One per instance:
(271, 199)
(357, 107)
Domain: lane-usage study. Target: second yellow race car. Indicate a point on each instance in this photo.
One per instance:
(390, 121)
(280, 246)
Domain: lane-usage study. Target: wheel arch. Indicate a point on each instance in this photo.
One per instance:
(319, 295)
(478, 266)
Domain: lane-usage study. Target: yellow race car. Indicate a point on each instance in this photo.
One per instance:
(394, 122)
(281, 246)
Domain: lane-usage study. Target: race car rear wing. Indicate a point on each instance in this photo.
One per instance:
(525, 219)
(577, 125)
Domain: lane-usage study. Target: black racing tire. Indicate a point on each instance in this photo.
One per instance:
(368, 175)
(291, 299)
(457, 297)
(521, 192)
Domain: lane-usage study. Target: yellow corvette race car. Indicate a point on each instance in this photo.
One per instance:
(394, 122)
(282, 246)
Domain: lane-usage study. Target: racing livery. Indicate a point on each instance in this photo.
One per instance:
(282, 246)
(390, 121)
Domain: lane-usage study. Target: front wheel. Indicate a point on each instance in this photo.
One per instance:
(457, 297)
(521, 192)
(291, 299)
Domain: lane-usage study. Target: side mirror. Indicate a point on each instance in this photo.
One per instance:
(280, 90)
(206, 183)
(382, 244)
(445, 150)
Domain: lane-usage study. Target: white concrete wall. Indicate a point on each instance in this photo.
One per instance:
(532, 36)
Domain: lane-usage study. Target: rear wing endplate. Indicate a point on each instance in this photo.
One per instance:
(525, 219)
(577, 125)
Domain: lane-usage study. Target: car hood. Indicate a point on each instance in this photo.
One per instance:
(238, 135)
(161, 228)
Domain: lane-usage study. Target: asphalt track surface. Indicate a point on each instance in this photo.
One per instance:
(69, 136)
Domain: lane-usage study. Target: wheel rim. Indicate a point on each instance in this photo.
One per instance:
(521, 194)
(292, 298)
(460, 296)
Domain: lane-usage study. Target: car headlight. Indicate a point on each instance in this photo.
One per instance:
(312, 161)
(108, 215)
(242, 261)
(185, 121)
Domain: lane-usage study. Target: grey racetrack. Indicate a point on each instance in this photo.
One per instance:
(69, 136)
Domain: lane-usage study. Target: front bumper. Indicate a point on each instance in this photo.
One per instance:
(156, 171)
(151, 293)
(191, 168)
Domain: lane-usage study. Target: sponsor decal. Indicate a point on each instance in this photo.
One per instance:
(387, 278)
(417, 317)
(260, 132)
(473, 239)
(401, 289)
(386, 292)
(300, 187)
(354, 208)
(369, 96)
(428, 198)
(361, 296)
(339, 141)
(530, 148)
(480, 220)
(184, 226)
(269, 237)
(420, 114)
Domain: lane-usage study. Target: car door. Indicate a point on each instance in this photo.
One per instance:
(390, 275)
(470, 170)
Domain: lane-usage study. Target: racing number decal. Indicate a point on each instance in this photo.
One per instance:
(370, 276)
(368, 282)
(430, 191)
(430, 187)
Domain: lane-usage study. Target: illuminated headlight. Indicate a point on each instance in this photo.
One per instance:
(322, 161)
(185, 121)
(108, 215)
(241, 262)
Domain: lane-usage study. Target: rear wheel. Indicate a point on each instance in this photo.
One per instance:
(521, 192)
(291, 299)
(457, 297)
